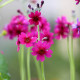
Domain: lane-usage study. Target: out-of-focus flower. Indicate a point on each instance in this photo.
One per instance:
(76, 29)
(1, 52)
(33, 1)
(44, 25)
(47, 37)
(62, 28)
(28, 39)
(35, 18)
(18, 44)
(77, 2)
(17, 25)
(41, 49)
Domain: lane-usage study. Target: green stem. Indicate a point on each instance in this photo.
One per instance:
(42, 68)
(38, 68)
(7, 2)
(72, 66)
(28, 63)
(38, 33)
(68, 48)
(42, 64)
(22, 63)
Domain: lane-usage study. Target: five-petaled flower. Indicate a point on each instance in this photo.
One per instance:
(28, 39)
(41, 49)
(35, 17)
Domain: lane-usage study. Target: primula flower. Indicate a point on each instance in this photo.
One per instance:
(48, 37)
(35, 17)
(33, 28)
(77, 2)
(62, 28)
(18, 44)
(44, 25)
(17, 25)
(76, 29)
(41, 49)
(10, 31)
(28, 39)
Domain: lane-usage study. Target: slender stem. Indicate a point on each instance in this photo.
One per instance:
(68, 48)
(22, 63)
(42, 64)
(38, 68)
(7, 2)
(42, 68)
(28, 63)
(38, 33)
(72, 66)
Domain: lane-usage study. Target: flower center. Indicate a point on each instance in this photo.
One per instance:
(20, 23)
(35, 18)
(41, 51)
(27, 40)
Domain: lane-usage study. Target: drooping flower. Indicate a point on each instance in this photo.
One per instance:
(48, 37)
(28, 39)
(35, 17)
(44, 25)
(41, 49)
(77, 2)
(62, 28)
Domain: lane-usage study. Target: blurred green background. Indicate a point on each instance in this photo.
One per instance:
(57, 67)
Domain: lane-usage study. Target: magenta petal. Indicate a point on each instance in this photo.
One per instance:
(34, 53)
(42, 58)
(38, 57)
(57, 37)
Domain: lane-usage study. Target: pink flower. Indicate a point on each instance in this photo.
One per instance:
(44, 25)
(35, 18)
(62, 28)
(48, 37)
(77, 2)
(33, 28)
(10, 31)
(28, 39)
(41, 49)
(17, 25)
(76, 29)
(18, 44)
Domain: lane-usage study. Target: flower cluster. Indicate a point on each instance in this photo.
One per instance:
(62, 28)
(76, 29)
(34, 32)
(17, 25)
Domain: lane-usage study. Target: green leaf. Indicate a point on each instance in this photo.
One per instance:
(3, 65)
(4, 75)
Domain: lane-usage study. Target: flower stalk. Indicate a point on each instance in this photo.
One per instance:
(72, 65)
(22, 63)
(42, 64)
(28, 63)
(38, 68)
